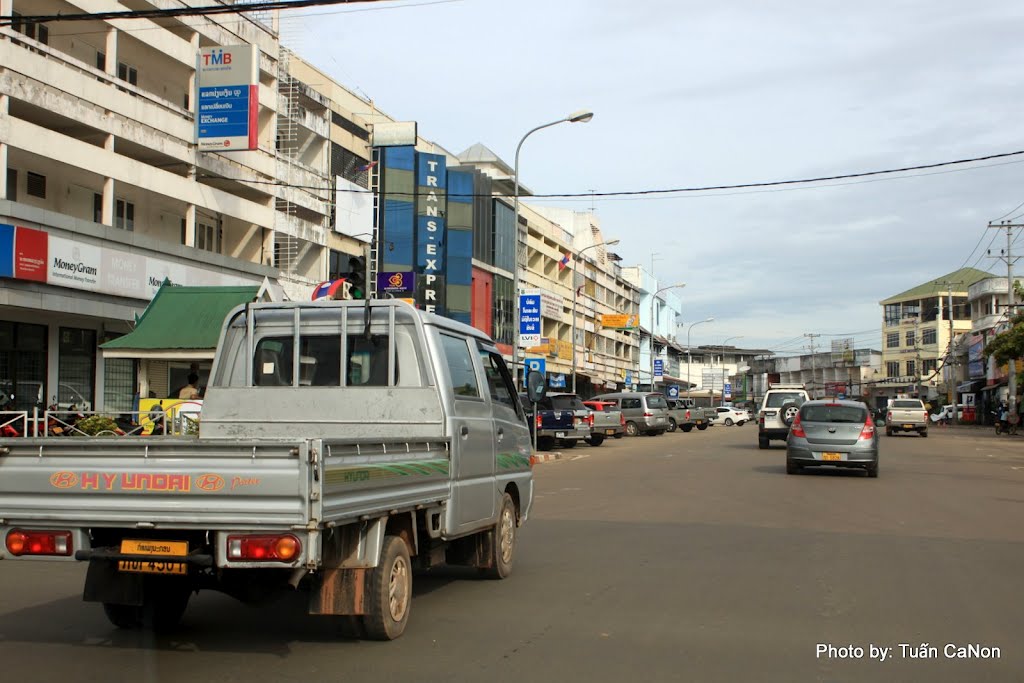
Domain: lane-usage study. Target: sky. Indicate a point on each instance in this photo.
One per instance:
(693, 94)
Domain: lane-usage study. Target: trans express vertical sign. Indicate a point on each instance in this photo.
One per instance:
(228, 103)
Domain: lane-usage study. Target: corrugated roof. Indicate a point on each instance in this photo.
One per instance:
(965, 277)
(184, 318)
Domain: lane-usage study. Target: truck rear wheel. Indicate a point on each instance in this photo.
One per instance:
(545, 443)
(702, 427)
(389, 592)
(162, 612)
(595, 439)
(687, 428)
(123, 616)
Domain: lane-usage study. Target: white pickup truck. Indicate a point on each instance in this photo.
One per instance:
(342, 445)
(906, 415)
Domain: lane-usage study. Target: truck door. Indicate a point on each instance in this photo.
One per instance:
(472, 433)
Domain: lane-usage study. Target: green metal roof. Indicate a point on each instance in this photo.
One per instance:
(184, 318)
(960, 279)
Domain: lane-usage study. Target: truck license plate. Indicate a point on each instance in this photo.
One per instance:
(831, 456)
(609, 432)
(171, 549)
(700, 422)
(908, 426)
(559, 435)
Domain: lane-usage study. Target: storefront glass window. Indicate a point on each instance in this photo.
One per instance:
(76, 368)
(22, 365)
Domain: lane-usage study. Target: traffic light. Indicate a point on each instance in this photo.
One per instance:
(356, 276)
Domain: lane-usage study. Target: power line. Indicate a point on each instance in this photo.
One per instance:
(678, 190)
(8, 20)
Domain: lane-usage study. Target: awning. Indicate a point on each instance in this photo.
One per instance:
(993, 387)
(180, 323)
(970, 386)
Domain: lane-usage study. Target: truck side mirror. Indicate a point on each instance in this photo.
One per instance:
(536, 388)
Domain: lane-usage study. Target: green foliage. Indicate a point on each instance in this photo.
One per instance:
(95, 425)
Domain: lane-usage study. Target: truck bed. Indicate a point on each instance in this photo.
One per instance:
(192, 483)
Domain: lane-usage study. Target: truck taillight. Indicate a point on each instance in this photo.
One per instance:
(888, 416)
(264, 548)
(590, 419)
(797, 429)
(622, 419)
(25, 542)
(687, 414)
(536, 421)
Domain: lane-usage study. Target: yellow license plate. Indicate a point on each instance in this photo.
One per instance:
(831, 456)
(700, 422)
(908, 426)
(169, 549)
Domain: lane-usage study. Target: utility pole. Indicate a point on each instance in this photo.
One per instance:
(1008, 257)
(950, 391)
(813, 364)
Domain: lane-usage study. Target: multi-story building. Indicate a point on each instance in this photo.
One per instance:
(918, 326)
(980, 381)
(107, 192)
(661, 311)
(846, 371)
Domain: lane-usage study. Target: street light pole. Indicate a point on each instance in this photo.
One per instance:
(582, 116)
(654, 298)
(689, 382)
(574, 297)
(722, 347)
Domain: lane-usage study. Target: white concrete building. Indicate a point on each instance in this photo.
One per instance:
(105, 192)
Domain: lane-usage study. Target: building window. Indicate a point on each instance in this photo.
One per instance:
(892, 340)
(31, 29)
(910, 338)
(128, 73)
(929, 366)
(892, 368)
(504, 308)
(124, 215)
(22, 366)
(504, 238)
(912, 368)
(928, 336)
(207, 237)
(892, 314)
(35, 185)
(76, 368)
(12, 185)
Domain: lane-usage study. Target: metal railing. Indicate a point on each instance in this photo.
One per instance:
(54, 423)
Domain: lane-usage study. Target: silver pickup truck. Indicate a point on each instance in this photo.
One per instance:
(341, 445)
(906, 415)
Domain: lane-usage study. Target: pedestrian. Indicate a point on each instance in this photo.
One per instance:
(190, 391)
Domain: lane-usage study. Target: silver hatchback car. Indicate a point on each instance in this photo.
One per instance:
(835, 433)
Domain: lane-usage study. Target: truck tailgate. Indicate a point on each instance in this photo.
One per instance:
(185, 482)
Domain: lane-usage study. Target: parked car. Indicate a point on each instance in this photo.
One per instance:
(608, 421)
(730, 416)
(645, 413)
(561, 419)
(832, 433)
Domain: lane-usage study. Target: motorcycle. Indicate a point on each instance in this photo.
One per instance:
(1004, 425)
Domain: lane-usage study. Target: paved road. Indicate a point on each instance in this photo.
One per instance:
(685, 557)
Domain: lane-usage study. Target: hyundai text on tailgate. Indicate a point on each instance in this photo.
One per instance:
(342, 445)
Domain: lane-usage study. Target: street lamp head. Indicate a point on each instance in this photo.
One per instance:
(611, 243)
(708, 320)
(581, 116)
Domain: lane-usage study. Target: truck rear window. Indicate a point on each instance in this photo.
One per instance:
(908, 403)
(567, 402)
(319, 361)
(776, 400)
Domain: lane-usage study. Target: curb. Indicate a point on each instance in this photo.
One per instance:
(539, 458)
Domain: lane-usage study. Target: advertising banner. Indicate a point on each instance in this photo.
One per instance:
(659, 369)
(31, 248)
(399, 284)
(619, 321)
(228, 104)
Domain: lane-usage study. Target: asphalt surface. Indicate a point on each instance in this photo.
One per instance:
(684, 557)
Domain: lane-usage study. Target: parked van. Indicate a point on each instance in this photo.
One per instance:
(644, 413)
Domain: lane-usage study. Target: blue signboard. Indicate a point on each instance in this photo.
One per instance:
(228, 98)
(728, 389)
(6, 250)
(673, 391)
(557, 381)
(629, 377)
(659, 367)
(529, 320)
(536, 364)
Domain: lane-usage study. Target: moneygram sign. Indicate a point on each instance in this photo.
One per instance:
(226, 118)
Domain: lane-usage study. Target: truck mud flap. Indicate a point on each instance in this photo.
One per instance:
(104, 583)
(341, 591)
